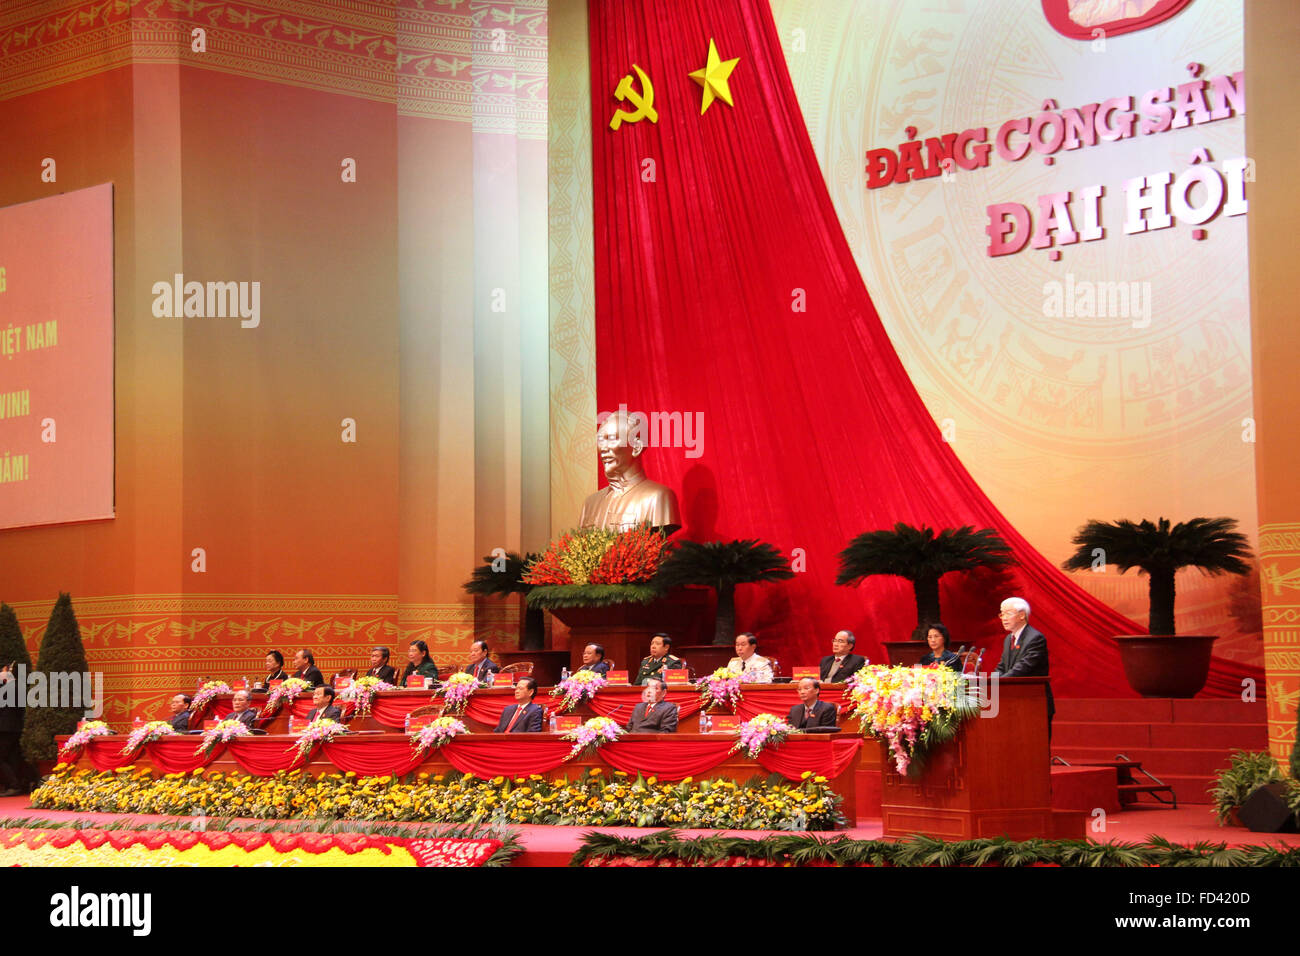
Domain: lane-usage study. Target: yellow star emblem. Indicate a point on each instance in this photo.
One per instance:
(713, 77)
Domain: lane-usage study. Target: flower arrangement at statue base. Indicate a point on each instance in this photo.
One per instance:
(596, 567)
(87, 732)
(912, 709)
(591, 799)
(765, 730)
(577, 687)
(720, 689)
(320, 731)
(222, 733)
(147, 734)
(592, 735)
(205, 694)
(361, 693)
(436, 733)
(284, 693)
(457, 690)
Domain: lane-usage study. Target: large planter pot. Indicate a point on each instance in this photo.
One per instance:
(905, 653)
(624, 630)
(1166, 665)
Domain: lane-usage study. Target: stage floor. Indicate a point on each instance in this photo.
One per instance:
(553, 846)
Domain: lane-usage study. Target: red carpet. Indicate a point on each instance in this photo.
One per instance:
(553, 846)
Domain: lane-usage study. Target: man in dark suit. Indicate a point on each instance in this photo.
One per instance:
(242, 712)
(323, 707)
(812, 712)
(1024, 652)
(593, 659)
(180, 718)
(304, 668)
(841, 664)
(379, 666)
(523, 716)
(653, 715)
(481, 663)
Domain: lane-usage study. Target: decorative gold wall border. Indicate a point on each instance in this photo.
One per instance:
(1279, 561)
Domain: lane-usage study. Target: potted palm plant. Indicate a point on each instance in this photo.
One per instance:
(723, 566)
(504, 575)
(922, 557)
(1163, 663)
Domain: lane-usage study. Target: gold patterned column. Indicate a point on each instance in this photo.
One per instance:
(1272, 31)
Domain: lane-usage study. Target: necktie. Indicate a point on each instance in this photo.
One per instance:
(742, 667)
(650, 710)
(807, 715)
(835, 667)
(518, 710)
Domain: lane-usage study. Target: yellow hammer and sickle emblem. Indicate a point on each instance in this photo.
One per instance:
(644, 101)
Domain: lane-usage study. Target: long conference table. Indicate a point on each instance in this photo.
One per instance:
(669, 757)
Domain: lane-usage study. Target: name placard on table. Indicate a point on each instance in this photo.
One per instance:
(799, 673)
(566, 722)
(677, 675)
(616, 677)
(726, 724)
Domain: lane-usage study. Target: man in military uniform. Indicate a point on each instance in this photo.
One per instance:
(659, 660)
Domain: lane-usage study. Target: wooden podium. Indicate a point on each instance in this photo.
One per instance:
(993, 779)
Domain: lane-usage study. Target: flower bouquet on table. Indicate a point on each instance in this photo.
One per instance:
(436, 733)
(361, 693)
(202, 698)
(720, 689)
(596, 567)
(592, 735)
(222, 733)
(319, 731)
(457, 690)
(146, 734)
(286, 692)
(765, 730)
(577, 687)
(87, 732)
(911, 709)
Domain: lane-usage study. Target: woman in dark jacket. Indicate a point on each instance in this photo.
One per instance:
(420, 663)
(937, 638)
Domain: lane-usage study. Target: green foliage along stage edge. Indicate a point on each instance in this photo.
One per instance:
(61, 653)
(667, 848)
(1247, 771)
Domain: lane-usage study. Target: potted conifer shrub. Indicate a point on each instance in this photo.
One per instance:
(922, 557)
(1163, 663)
(61, 652)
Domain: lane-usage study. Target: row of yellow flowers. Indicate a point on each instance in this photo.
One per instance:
(593, 799)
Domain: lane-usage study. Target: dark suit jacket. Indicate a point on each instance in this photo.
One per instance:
(948, 658)
(1029, 660)
(384, 672)
(600, 667)
(329, 712)
(852, 664)
(823, 716)
(180, 722)
(312, 675)
(483, 668)
(248, 717)
(662, 721)
(529, 723)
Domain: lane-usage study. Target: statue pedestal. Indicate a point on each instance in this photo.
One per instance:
(624, 630)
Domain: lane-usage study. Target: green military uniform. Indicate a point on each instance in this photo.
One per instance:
(652, 668)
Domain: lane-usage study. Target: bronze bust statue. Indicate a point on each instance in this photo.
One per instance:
(630, 499)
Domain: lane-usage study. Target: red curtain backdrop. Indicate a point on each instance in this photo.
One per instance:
(813, 432)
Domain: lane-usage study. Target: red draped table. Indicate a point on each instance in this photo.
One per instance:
(666, 756)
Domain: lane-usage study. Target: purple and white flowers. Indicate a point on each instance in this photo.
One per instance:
(85, 733)
(765, 730)
(222, 733)
(204, 695)
(580, 686)
(720, 689)
(319, 731)
(361, 693)
(285, 693)
(436, 733)
(592, 735)
(147, 733)
(457, 689)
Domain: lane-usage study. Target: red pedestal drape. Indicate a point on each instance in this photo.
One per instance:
(484, 756)
(725, 286)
